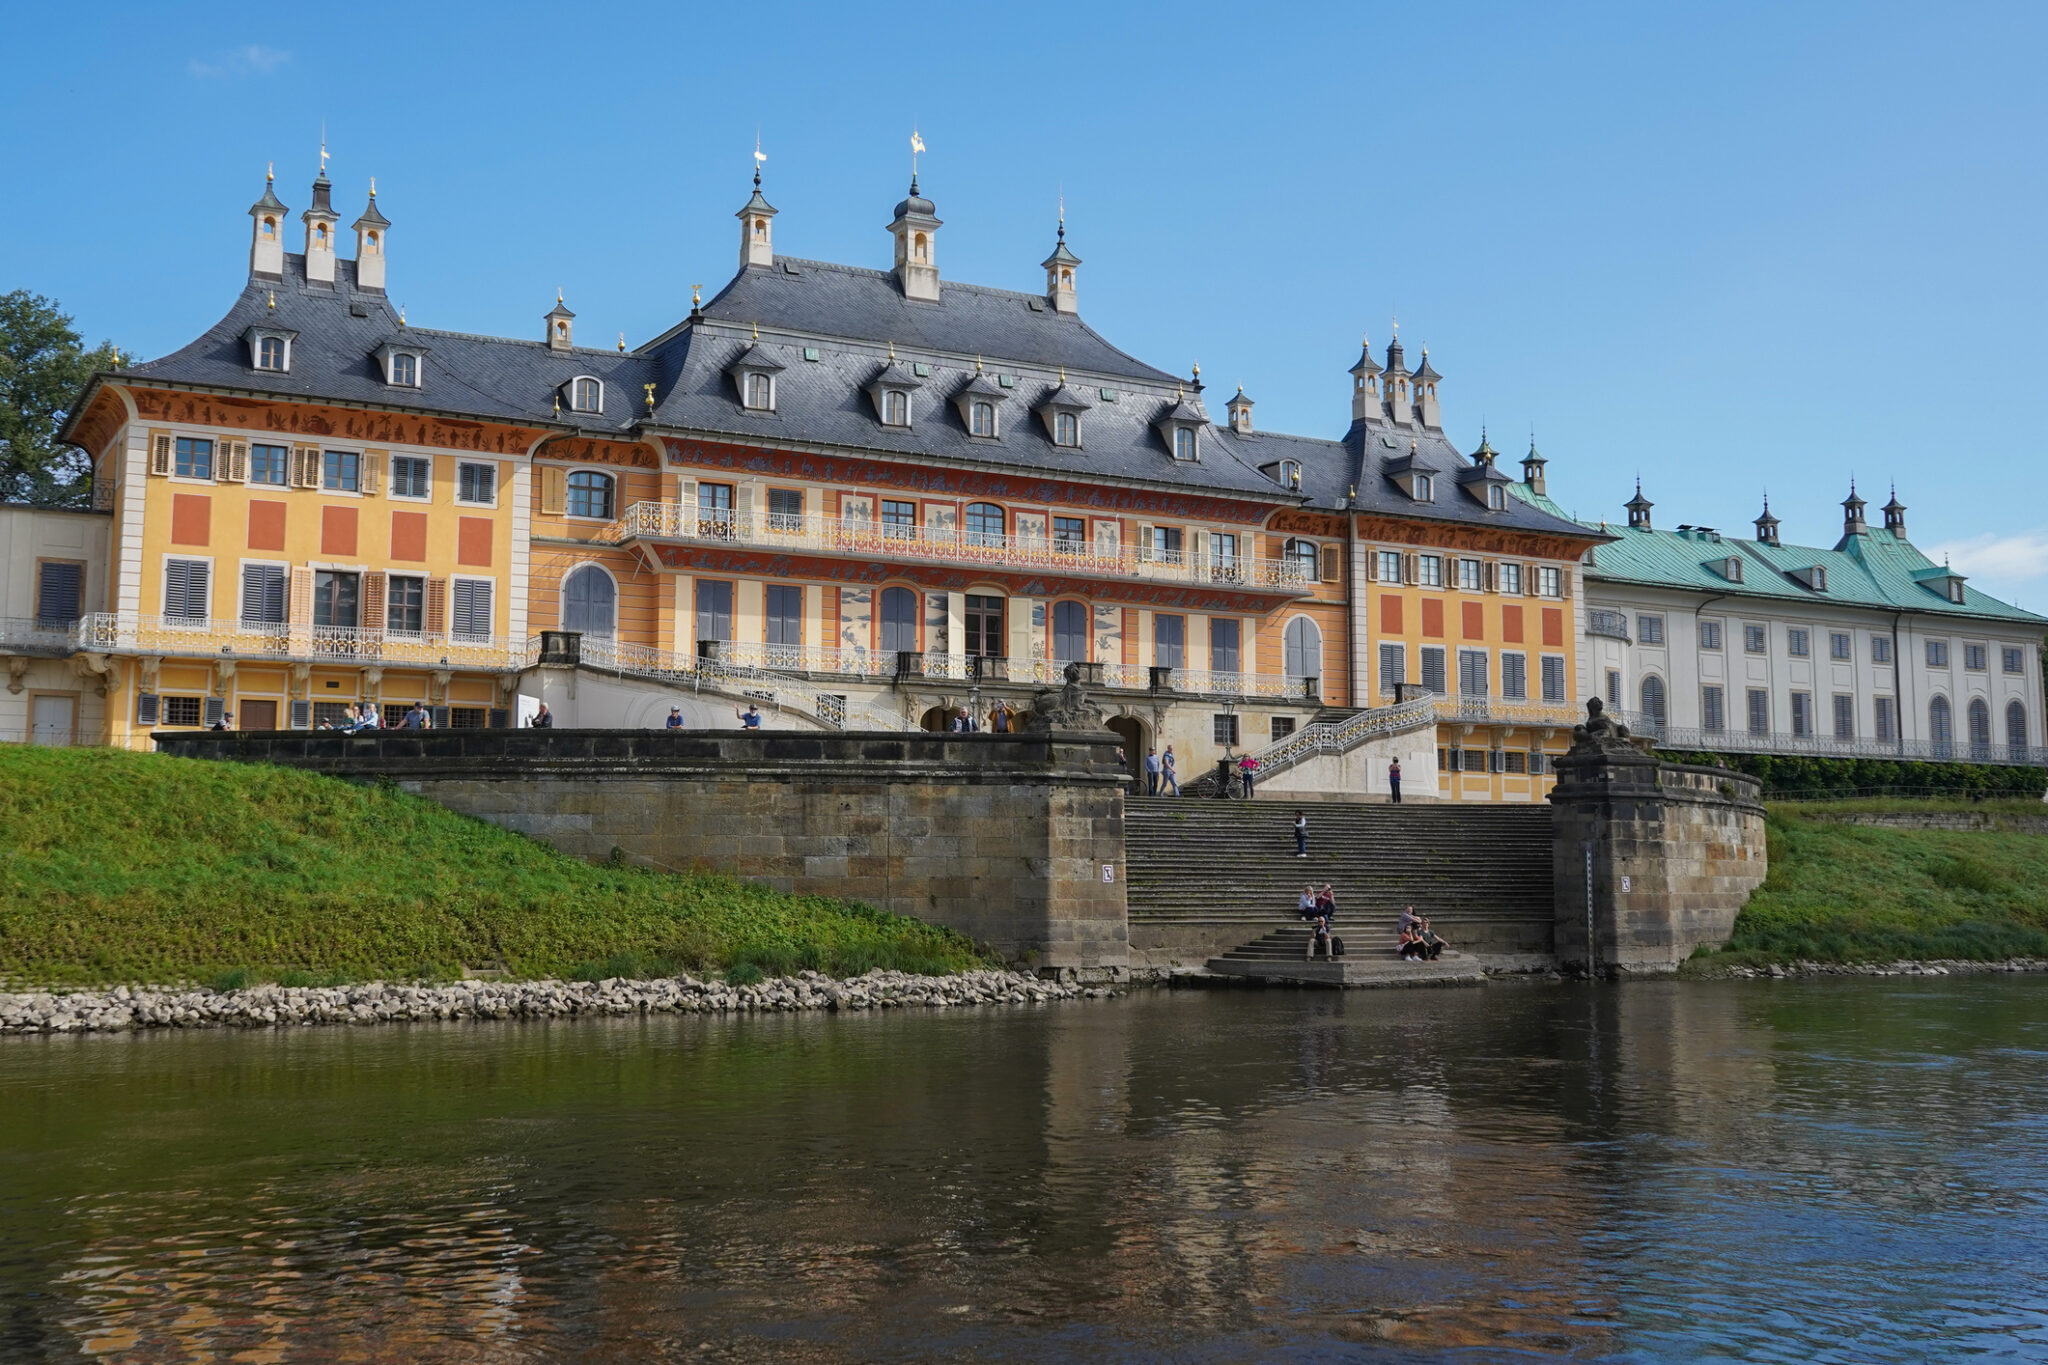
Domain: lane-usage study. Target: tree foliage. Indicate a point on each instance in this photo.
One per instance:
(44, 367)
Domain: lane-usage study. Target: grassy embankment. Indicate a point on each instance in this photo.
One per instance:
(1851, 893)
(119, 867)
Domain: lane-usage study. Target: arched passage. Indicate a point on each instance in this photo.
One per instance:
(1135, 736)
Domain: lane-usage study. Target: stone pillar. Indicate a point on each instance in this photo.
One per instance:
(1650, 859)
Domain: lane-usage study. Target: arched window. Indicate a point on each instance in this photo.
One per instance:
(405, 369)
(1653, 701)
(590, 602)
(1183, 443)
(1980, 728)
(2016, 729)
(320, 234)
(1304, 650)
(1301, 555)
(270, 353)
(899, 620)
(374, 241)
(760, 391)
(590, 494)
(586, 395)
(983, 419)
(1940, 730)
(922, 247)
(985, 524)
(270, 227)
(760, 227)
(1070, 633)
(896, 408)
(1066, 429)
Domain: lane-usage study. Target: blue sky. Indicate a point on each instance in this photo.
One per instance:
(1725, 247)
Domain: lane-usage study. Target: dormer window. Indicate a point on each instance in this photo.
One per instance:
(1422, 488)
(270, 348)
(982, 419)
(586, 394)
(1184, 447)
(270, 353)
(1731, 569)
(1066, 430)
(1820, 579)
(1496, 498)
(761, 392)
(1955, 591)
(895, 408)
(1290, 473)
(405, 369)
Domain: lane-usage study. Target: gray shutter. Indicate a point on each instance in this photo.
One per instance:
(216, 710)
(500, 717)
(58, 589)
(146, 708)
(438, 715)
(302, 715)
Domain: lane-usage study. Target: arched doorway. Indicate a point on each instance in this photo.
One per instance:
(1304, 649)
(1135, 736)
(937, 719)
(590, 602)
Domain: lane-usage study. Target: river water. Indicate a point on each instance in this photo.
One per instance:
(1826, 1171)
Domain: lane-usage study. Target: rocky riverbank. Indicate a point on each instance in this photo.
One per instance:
(1707, 968)
(124, 1008)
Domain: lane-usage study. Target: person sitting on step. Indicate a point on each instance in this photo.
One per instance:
(1320, 938)
(1433, 946)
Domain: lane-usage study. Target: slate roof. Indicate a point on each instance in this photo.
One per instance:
(333, 357)
(1872, 569)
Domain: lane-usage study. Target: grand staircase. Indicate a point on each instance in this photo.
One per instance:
(1209, 875)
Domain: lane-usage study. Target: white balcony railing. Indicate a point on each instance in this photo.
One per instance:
(1745, 741)
(772, 689)
(1504, 710)
(793, 532)
(40, 637)
(179, 636)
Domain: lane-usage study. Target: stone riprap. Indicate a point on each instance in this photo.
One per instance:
(1017, 841)
(125, 1008)
(1947, 966)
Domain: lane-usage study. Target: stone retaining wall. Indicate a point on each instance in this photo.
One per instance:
(1957, 820)
(1003, 837)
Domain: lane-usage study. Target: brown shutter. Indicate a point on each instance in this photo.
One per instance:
(743, 508)
(1564, 581)
(437, 606)
(1414, 568)
(1333, 564)
(1372, 565)
(238, 462)
(554, 490)
(305, 467)
(373, 601)
(160, 455)
(1492, 575)
(373, 472)
(301, 612)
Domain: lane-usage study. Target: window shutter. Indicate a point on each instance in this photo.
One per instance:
(302, 715)
(373, 601)
(437, 716)
(1492, 576)
(305, 467)
(145, 708)
(1201, 547)
(1372, 565)
(1564, 581)
(500, 718)
(1333, 564)
(554, 495)
(58, 591)
(743, 511)
(373, 472)
(214, 713)
(302, 597)
(1413, 564)
(160, 455)
(437, 606)
(686, 494)
(1529, 577)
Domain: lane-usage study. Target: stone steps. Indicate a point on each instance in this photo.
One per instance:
(1282, 955)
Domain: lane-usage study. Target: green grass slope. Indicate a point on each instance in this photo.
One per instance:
(137, 867)
(1849, 893)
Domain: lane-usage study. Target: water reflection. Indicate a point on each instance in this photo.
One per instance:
(1847, 1171)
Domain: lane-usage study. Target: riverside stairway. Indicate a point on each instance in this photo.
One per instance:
(1205, 876)
(1282, 955)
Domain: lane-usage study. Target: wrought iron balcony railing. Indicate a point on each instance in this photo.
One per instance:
(201, 637)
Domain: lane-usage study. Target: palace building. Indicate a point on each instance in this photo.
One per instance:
(859, 498)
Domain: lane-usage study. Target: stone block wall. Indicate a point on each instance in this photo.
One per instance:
(1002, 837)
(1652, 858)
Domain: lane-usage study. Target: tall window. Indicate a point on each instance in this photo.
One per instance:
(1937, 654)
(1710, 635)
(1614, 689)
(985, 524)
(185, 589)
(590, 602)
(586, 395)
(895, 408)
(1390, 566)
(1471, 576)
(1841, 645)
(2016, 730)
(714, 514)
(1974, 658)
(342, 471)
(1169, 641)
(1223, 556)
(1183, 443)
(336, 599)
(1225, 636)
(1553, 677)
(405, 370)
(1845, 716)
(1880, 649)
(1433, 670)
(714, 609)
(1472, 673)
(469, 614)
(194, 458)
(411, 475)
(1511, 579)
(262, 594)
(982, 419)
(1940, 724)
(1303, 648)
(1653, 701)
(1802, 715)
(59, 587)
(270, 353)
(1393, 667)
(1430, 571)
(1650, 630)
(1425, 488)
(1069, 535)
(899, 519)
(1302, 556)
(1759, 711)
(1514, 676)
(269, 464)
(899, 618)
(476, 484)
(1886, 716)
(2013, 660)
(1066, 429)
(1713, 709)
(590, 494)
(1796, 642)
(1070, 633)
(1163, 544)
(985, 627)
(785, 509)
(1754, 639)
(760, 392)
(1980, 728)
(405, 602)
(1550, 581)
(784, 607)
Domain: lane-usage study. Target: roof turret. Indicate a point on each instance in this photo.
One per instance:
(1425, 373)
(371, 217)
(1366, 364)
(269, 203)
